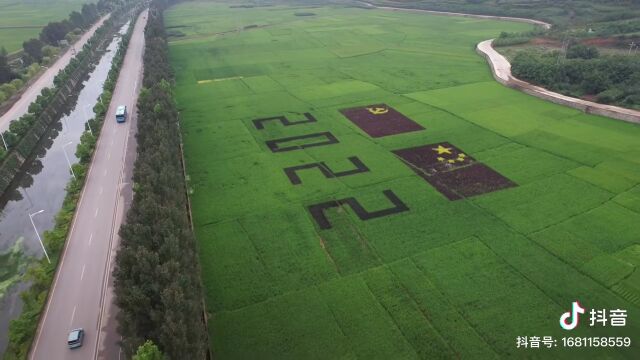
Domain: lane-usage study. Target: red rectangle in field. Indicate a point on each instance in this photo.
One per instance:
(380, 120)
(453, 173)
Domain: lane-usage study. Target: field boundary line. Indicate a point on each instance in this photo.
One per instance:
(393, 319)
(420, 309)
(205, 316)
(453, 305)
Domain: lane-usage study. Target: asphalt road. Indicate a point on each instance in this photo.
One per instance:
(81, 295)
(46, 79)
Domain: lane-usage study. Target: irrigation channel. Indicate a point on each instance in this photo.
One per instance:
(38, 191)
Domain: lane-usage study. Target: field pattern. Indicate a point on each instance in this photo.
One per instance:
(21, 20)
(321, 240)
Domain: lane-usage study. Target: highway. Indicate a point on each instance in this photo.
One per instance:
(46, 79)
(81, 294)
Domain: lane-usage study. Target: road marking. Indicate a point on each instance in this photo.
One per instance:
(109, 156)
(101, 190)
(44, 316)
(96, 214)
(73, 315)
(82, 273)
(105, 172)
(90, 238)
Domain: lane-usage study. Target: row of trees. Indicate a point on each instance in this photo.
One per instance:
(55, 31)
(18, 128)
(40, 50)
(40, 274)
(157, 273)
(612, 79)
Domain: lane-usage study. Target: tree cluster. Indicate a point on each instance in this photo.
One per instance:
(157, 274)
(6, 74)
(55, 31)
(80, 64)
(611, 79)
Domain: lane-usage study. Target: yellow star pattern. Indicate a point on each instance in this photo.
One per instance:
(442, 150)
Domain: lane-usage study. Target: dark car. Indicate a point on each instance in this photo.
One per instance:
(75, 338)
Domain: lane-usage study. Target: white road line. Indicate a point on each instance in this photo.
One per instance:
(73, 315)
(109, 156)
(90, 238)
(105, 172)
(101, 190)
(96, 214)
(82, 273)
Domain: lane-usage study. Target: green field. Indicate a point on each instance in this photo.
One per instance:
(444, 279)
(21, 20)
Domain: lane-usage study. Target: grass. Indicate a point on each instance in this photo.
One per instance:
(23, 19)
(446, 278)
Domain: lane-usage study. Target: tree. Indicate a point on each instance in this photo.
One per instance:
(148, 351)
(157, 283)
(89, 13)
(53, 32)
(77, 20)
(580, 51)
(6, 74)
(33, 48)
(595, 82)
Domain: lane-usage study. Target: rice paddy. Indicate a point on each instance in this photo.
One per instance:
(362, 188)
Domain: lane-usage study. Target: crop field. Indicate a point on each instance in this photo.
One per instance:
(21, 20)
(363, 188)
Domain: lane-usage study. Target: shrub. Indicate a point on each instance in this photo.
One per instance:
(609, 96)
(50, 51)
(8, 89)
(580, 51)
(17, 83)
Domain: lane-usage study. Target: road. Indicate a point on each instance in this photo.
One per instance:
(501, 69)
(81, 294)
(46, 79)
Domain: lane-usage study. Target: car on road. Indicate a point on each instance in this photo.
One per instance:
(75, 338)
(121, 114)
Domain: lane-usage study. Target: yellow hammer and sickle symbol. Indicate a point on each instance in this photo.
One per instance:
(377, 110)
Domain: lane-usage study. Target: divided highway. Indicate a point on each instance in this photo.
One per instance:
(81, 295)
(46, 79)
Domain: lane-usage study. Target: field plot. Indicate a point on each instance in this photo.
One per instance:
(362, 188)
(21, 20)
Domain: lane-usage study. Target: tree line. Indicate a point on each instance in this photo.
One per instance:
(157, 272)
(48, 102)
(40, 50)
(583, 72)
(40, 274)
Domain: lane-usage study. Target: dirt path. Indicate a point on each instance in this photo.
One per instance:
(501, 70)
